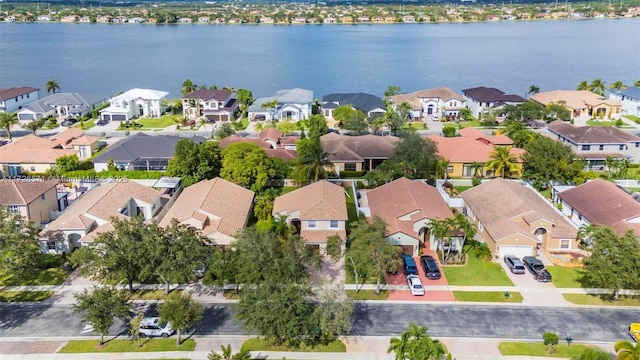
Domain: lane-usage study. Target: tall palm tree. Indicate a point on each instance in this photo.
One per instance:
(477, 169)
(617, 85)
(627, 351)
(440, 231)
(52, 85)
(416, 344)
(533, 90)
(583, 85)
(399, 345)
(467, 228)
(227, 354)
(502, 161)
(312, 165)
(188, 87)
(6, 120)
(598, 86)
(441, 168)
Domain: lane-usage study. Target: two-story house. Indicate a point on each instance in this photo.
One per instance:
(13, 99)
(480, 98)
(629, 98)
(317, 211)
(59, 105)
(134, 103)
(75, 139)
(214, 105)
(581, 103)
(596, 143)
(33, 199)
(370, 105)
(442, 102)
(294, 104)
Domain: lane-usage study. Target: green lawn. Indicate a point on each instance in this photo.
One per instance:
(487, 296)
(148, 345)
(633, 118)
(540, 349)
(24, 296)
(262, 345)
(602, 300)
(565, 277)
(461, 188)
(367, 295)
(87, 124)
(352, 214)
(476, 272)
(158, 123)
(151, 294)
(52, 276)
(287, 189)
(417, 125)
(605, 123)
(349, 276)
(472, 123)
(546, 193)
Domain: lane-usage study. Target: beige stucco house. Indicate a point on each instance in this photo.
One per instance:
(30, 154)
(33, 199)
(581, 103)
(357, 153)
(75, 139)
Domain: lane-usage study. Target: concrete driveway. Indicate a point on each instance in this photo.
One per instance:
(534, 292)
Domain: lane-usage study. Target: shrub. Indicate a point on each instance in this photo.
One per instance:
(483, 252)
(475, 182)
(350, 174)
(449, 131)
(550, 339)
(619, 123)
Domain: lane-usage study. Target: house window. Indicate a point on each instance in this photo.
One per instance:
(312, 224)
(334, 224)
(637, 144)
(51, 245)
(565, 244)
(14, 209)
(601, 147)
(350, 167)
(42, 197)
(82, 151)
(586, 147)
(33, 168)
(621, 147)
(449, 169)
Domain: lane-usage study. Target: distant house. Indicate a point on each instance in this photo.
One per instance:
(317, 211)
(407, 207)
(294, 104)
(141, 152)
(59, 105)
(203, 20)
(70, 19)
(103, 19)
(595, 143)
(629, 98)
(91, 214)
(214, 105)
(34, 200)
(266, 20)
(136, 20)
(219, 209)
(134, 103)
(408, 19)
(513, 219)
(44, 18)
(357, 153)
(13, 99)
(85, 19)
(184, 20)
(75, 139)
(370, 105)
(329, 20)
(580, 103)
(440, 101)
(270, 140)
(30, 154)
(481, 98)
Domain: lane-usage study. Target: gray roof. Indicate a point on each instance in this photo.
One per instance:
(143, 146)
(485, 94)
(631, 92)
(80, 103)
(591, 134)
(285, 96)
(360, 101)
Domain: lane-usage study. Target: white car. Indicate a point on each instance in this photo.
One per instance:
(415, 285)
(153, 327)
(435, 118)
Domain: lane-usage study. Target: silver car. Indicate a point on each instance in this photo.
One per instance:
(153, 327)
(415, 285)
(514, 264)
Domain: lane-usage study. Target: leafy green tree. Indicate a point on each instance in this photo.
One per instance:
(195, 162)
(333, 313)
(263, 208)
(19, 246)
(34, 125)
(8, 119)
(51, 86)
(597, 86)
(546, 159)
(416, 344)
(247, 165)
(558, 111)
(67, 163)
(351, 119)
(442, 168)
(245, 99)
(227, 354)
(617, 86)
(449, 131)
(391, 91)
(317, 126)
(593, 354)
(312, 163)
(226, 129)
(502, 162)
(134, 331)
(465, 114)
(287, 126)
(182, 311)
(627, 351)
(637, 83)
(394, 120)
(188, 87)
(111, 165)
(550, 339)
(100, 307)
(413, 157)
(524, 111)
(613, 261)
(370, 252)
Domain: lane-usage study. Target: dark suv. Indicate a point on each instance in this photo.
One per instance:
(430, 267)
(408, 265)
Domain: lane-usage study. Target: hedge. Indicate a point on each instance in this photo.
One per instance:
(352, 174)
(122, 174)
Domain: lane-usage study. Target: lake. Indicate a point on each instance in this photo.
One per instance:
(104, 59)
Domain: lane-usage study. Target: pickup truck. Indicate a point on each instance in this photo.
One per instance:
(536, 267)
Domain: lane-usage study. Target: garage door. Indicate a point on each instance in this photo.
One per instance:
(407, 249)
(519, 251)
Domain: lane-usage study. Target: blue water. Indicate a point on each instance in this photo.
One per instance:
(101, 59)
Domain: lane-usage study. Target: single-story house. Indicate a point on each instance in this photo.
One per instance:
(13, 99)
(30, 154)
(581, 103)
(271, 140)
(370, 105)
(34, 200)
(357, 153)
(294, 104)
(134, 103)
(514, 219)
(59, 105)
(480, 98)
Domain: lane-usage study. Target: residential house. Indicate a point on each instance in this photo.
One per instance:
(480, 98)
(596, 143)
(407, 207)
(299, 20)
(203, 20)
(70, 19)
(85, 20)
(13, 99)
(440, 101)
(514, 219)
(346, 19)
(134, 103)
(10, 18)
(33, 199)
(44, 18)
(120, 20)
(599, 202)
(581, 103)
(30, 154)
(219, 209)
(214, 105)
(266, 20)
(184, 20)
(362, 19)
(103, 19)
(357, 153)
(59, 105)
(141, 152)
(370, 105)
(74, 138)
(408, 19)
(271, 140)
(294, 104)
(629, 99)
(136, 20)
(317, 211)
(91, 214)
(329, 20)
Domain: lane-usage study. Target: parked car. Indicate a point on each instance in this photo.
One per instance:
(514, 264)
(430, 267)
(69, 122)
(536, 267)
(102, 122)
(435, 117)
(408, 265)
(415, 285)
(153, 327)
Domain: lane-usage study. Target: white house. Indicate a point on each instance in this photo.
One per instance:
(294, 104)
(481, 98)
(629, 98)
(440, 101)
(134, 103)
(215, 105)
(60, 105)
(13, 99)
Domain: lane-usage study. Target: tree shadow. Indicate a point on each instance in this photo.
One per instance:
(15, 315)
(360, 319)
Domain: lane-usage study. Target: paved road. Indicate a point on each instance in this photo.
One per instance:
(371, 319)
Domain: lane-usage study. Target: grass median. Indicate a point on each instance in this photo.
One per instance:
(566, 277)
(476, 273)
(488, 296)
(602, 300)
(336, 346)
(540, 349)
(148, 345)
(24, 296)
(367, 295)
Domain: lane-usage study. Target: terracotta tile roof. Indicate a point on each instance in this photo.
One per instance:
(592, 134)
(502, 206)
(402, 197)
(413, 99)
(67, 135)
(85, 140)
(23, 192)
(356, 148)
(270, 134)
(475, 134)
(32, 149)
(575, 99)
(235, 138)
(321, 200)
(283, 154)
(212, 200)
(320, 236)
(603, 203)
(6, 94)
(289, 140)
(463, 149)
(33, 142)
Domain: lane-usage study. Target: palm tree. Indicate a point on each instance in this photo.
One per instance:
(583, 85)
(593, 354)
(416, 344)
(502, 161)
(312, 165)
(52, 85)
(617, 85)
(477, 169)
(467, 228)
(440, 231)
(627, 351)
(441, 168)
(227, 354)
(533, 90)
(188, 87)
(6, 120)
(598, 86)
